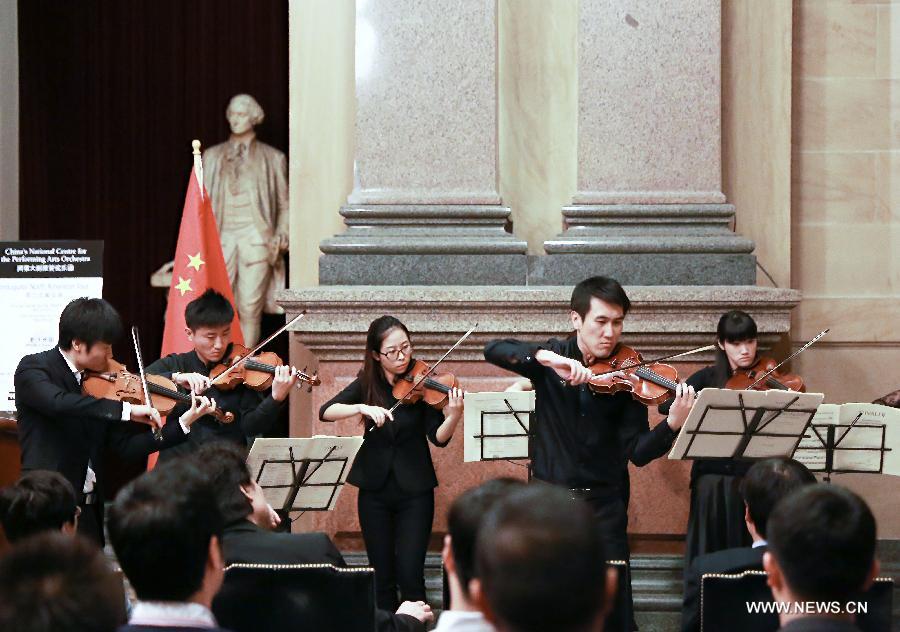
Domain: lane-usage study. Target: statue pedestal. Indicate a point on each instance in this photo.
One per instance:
(664, 319)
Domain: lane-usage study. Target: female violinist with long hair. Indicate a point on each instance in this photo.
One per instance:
(393, 469)
(716, 519)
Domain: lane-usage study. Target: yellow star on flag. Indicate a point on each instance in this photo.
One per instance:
(195, 262)
(184, 285)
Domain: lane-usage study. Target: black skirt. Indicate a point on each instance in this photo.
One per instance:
(716, 520)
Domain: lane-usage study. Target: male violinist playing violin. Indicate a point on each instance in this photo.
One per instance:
(208, 319)
(584, 440)
(62, 430)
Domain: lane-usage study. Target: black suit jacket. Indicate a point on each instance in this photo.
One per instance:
(244, 542)
(727, 561)
(400, 445)
(60, 429)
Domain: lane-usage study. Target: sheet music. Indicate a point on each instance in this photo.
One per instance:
(269, 464)
(715, 426)
(861, 431)
(497, 420)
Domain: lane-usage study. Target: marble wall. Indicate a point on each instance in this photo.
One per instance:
(845, 244)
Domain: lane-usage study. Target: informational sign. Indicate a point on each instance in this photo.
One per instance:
(37, 280)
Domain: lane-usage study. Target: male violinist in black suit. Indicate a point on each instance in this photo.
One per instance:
(765, 483)
(62, 430)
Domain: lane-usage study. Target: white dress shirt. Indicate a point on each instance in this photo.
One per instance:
(177, 614)
(463, 621)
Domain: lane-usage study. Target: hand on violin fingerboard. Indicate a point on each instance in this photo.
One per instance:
(200, 406)
(681, 406)
(286, 377)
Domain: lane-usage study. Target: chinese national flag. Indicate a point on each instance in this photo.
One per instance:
(199, 265)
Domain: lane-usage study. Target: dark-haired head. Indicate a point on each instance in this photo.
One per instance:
(55, 582)
(210, 309)
(541, 564)
(89, 321)
(822, 541)
(736, 333)
(39, 501)
(165, 528)
(225, 465)
(374, 382)
(766, 483)
(600, 287)
(463, 520)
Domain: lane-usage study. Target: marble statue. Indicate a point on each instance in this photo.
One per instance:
(247, 181)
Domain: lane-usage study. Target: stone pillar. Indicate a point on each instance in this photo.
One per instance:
(425, 207)
(649, 207)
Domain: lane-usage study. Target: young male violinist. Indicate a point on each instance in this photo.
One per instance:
(208, 319)
(583, 440)
(64, 431)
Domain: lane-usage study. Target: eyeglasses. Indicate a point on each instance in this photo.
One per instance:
(394, 354)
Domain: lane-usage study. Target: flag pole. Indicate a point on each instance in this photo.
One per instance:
(198, 164)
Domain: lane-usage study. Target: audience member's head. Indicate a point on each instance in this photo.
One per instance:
(165, 528)
(239, 497)
(767, 482)
(463, 520)
(539, 558)
(821, 546)
(39, 501)
(55, 582)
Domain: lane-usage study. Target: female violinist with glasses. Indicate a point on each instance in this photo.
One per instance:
(393, 469)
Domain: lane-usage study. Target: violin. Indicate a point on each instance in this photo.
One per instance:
(120, 384)
(743, 379)
(256, 373)
(434, 389)
(656, 381)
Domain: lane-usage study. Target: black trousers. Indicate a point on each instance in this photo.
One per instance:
(716, 520)
(610, 512)
(396, 527)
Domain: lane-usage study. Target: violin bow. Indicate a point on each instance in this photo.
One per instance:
(668, 357)
(425, 375)
(788, 359)
(135, 337)
(255, 349)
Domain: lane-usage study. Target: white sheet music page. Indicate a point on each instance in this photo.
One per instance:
(716, 425)
(269, 462)
(487, 413)
(862, 432)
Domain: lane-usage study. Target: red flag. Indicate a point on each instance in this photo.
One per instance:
(199, 265)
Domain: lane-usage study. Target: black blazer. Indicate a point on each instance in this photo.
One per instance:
(60, 429)
(399, 445)
(727, 561)
(244, 542)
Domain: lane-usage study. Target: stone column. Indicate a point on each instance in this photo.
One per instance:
(649, 207)
(425, 207)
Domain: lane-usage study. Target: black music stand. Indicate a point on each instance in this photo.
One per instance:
(304, 474)
(727, 424)
(500, 426)
(849, 448)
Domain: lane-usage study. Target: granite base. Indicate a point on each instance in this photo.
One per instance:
(644, 269)
(443, 269)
